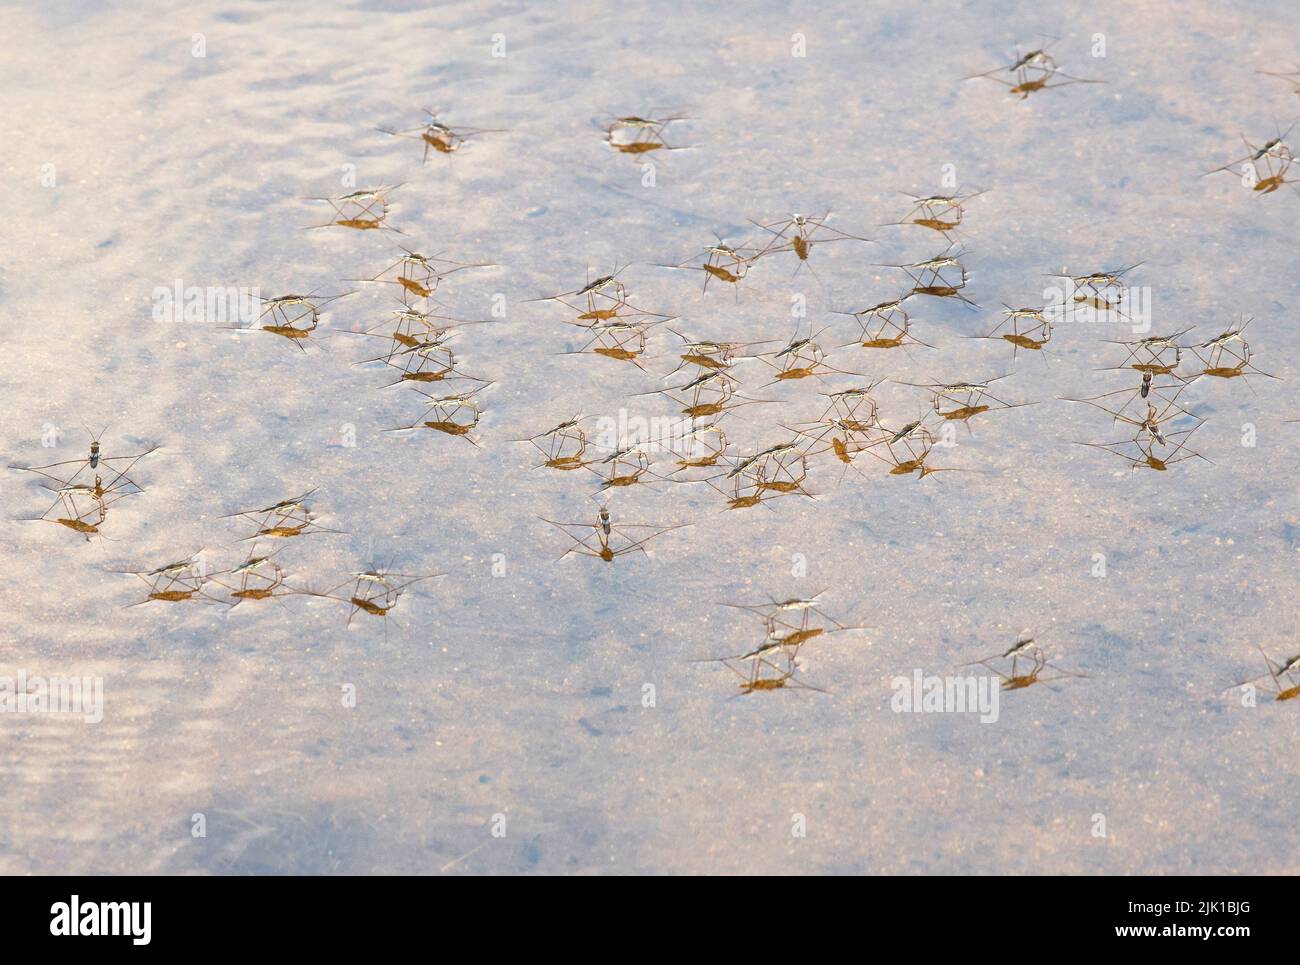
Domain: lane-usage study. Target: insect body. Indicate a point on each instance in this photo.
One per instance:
(439, 137)
(607, 540)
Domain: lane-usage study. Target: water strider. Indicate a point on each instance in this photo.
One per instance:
(941, 213)
(436, 136)
(611, 540)
(1032, 72)
(365, 210)
(282, 520)
(799, 234)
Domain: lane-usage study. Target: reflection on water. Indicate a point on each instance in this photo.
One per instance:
(532, 713)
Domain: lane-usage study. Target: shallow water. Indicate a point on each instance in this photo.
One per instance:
(521, 694)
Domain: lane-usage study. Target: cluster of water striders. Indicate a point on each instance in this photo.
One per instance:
(706, 382)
